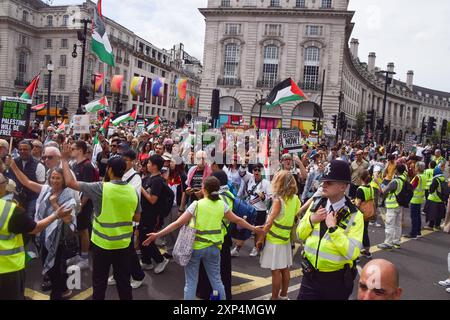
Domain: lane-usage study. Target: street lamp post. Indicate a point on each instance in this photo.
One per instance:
(341, 97)
(261, 101)
(388, 79)
(50, 69)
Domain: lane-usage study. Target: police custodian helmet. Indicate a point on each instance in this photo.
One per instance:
(337, 170)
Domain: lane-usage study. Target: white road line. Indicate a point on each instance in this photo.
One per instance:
(267, 296)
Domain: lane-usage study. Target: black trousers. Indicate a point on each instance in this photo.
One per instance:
(57, 274)
(12, 285)
(366, 240)
(204, 288)
(150, 252)
(325, 286)
(102, 261)
(135, 267)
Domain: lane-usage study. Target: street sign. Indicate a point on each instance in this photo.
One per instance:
(15, 117)
(291, 140)
(81, 124)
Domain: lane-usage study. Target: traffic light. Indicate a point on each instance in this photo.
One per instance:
(380, 124)
(314, 122)
(431, 126)
(335, 121)
(424, 127)
(84, 97)
(370, 119)
(444, 127)
(341, 120)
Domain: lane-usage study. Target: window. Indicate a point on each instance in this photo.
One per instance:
(46, 80)
(300, 4)
(25, 16)
(270, 66)
(62, 82)
(273, 30)
(326, 3)
(311, 68)
(63, 60)
(125, 74)
(140, 64)
(163, 74)
(224, 3)
(65, 20)
(314, 31)
(231, 60)
(274, 3)
(47, 60)
(48, 43)
(23, 40)
(49, 21)
(233, 29)
(22, 66)
(152, 69)
(64, 44)
(101, 67)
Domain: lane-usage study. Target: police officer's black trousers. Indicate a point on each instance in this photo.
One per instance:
(12, 285)
(325, 286)
(102, 261)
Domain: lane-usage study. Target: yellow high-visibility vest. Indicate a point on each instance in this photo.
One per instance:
(12, 252)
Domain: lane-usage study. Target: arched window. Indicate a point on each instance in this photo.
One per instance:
(311, 68)
(65, 20)
(25, 16)
(49, 21)
(270, 66)
(22, 66)
(231, 61)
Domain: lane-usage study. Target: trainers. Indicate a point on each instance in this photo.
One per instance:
(67, 294)
(366, 254)
(254, 252)
(397, 245)
(83, 264)
(74, 260)
(235, 252)
(419, 236)
(371, 224)
(436, 229)
(448, 290)
(385, 246)
(445, 283)
(146, 266)
(378, 225)
(161, 266)
(409, 236)
(111, 281)
(46, 285)
(283, 298)
(135, 283)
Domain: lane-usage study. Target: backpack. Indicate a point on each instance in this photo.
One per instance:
(245, 211)
(406, 194)
(444, 194)
(167, 200)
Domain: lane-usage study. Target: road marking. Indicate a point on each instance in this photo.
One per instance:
(83, 295)
(35, 295)
(268, 296)
(246, 276)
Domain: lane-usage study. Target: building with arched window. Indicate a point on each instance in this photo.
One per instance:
(251, 45)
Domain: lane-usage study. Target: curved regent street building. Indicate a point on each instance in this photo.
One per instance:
(252, 45)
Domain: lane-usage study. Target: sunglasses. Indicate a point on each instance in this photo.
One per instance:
(48, 158)
(256, 170)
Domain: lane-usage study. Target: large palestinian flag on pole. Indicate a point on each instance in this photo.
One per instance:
(31, 90)
(284, 92)
(97, 105)
(100, 42)
(125, 116)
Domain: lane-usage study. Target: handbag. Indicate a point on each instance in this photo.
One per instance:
(368, 209)
(182, 251)
(69, 244)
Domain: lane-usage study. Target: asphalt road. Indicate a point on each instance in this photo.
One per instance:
(421, 263)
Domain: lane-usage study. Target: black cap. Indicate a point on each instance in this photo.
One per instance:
(337, 170)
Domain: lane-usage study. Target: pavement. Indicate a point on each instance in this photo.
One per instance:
(421, 264)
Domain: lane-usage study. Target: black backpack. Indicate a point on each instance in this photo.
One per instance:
(406, 194)
(444, 192)
(167, 200)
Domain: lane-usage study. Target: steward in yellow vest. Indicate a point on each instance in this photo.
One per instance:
(116, 206)
(332, 230)
(418, 183)
(437, 199)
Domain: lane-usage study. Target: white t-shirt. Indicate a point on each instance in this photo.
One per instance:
(254, 199)
(193, 206)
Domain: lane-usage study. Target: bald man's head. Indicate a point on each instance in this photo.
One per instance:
(379, 280)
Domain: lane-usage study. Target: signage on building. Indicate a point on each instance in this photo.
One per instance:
(15, 117)
(81, 124)
(291, 140)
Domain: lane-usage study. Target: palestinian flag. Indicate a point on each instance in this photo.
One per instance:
(105, 126)
(284, 92)
(125, 116)
(39, 107)
(29, 92)
(61, 128)
(96, 150)
(100, 42)
(154, 125)
(96, 105)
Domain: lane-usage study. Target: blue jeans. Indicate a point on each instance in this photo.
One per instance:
(211, 261)
(416, 220)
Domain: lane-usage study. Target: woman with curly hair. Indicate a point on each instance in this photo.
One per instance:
(277, 253)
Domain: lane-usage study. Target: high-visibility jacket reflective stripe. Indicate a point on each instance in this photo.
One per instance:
(391, 200)
(113, 228)
(434, 196)
(419, 192)
(429, 173)
(280, 232)
(334, 250)
(368, 192)
(12, 252)
(209, 216)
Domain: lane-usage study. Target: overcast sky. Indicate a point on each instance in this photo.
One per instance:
(414, 34)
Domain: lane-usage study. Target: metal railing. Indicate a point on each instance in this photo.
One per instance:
(21, 83)
(230, 82)
(267, 83)
(310, 86)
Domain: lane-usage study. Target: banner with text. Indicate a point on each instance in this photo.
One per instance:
(291, 140)
(81, 124)
(15, 117)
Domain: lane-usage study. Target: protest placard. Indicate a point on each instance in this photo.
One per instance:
(15, 117)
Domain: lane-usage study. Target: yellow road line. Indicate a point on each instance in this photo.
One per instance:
(83, 295)
(246, 276)
(35, 295)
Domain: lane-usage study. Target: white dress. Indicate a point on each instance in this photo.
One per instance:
(276, 256)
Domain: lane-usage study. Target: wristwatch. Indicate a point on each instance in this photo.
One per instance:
(332, 229)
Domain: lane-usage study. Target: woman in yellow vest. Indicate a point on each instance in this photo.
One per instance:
(435, 208)
(418, 183)
(365, 195)
(277, 253)
(429, 173)
(209, 214)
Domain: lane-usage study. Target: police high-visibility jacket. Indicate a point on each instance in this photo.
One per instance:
(419, 191)
(280, 232)
(113, 228)
(437, 180)
(429, 174)
(12, 253)
(227, 197)
(333, 251)
(208, 223)
(391, 200)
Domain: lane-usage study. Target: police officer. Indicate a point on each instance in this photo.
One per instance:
(13, 224)
(332, 230)
(116, 206)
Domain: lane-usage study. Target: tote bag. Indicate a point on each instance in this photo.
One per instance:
(182, 251)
